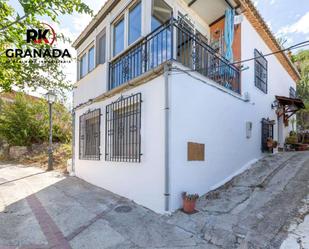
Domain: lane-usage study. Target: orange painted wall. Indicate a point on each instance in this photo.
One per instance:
(237, 37)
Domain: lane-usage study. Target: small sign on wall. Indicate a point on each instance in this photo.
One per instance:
(196, 152)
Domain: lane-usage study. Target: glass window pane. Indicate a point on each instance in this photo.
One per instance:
(102, 44)
(119, 37)
(83, 66)
(91, 59)
(135, 23)
(161, 13)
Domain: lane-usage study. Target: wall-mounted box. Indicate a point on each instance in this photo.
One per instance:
(196, 152)
(248, 129)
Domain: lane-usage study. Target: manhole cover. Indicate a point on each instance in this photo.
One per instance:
(123, 209)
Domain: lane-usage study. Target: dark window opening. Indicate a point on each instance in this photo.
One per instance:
(123, 125)
(89, 135)
(260, 71)
(101, 48)
(293, 93)
(267, 132)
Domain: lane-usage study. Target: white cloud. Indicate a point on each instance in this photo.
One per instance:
(301, 26)
(255, 2)
(80, 22)
(272, 2)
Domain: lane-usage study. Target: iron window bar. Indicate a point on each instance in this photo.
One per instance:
(89, 135)
(158, 47)
(260, 71)
(123, 129)
(267, 132)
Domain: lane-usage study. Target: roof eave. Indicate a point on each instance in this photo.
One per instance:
(96, 20)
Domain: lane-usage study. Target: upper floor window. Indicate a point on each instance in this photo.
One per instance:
(135, 23)
(83, 65)
(260, 71)
(118, 37)
(101, 48)
(161, 13)
(292, 93)
(89, 135)
(91, 59)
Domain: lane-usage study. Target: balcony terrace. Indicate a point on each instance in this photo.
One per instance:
(173, 41)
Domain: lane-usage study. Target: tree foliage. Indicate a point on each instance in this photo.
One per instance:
(26, 121)
(13, 28)
(301, 60)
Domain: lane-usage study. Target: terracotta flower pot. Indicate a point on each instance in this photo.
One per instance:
(189, 206)
(269, 143)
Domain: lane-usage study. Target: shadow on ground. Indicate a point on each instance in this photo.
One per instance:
(253, 210)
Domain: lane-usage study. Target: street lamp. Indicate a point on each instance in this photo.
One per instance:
(51, 98)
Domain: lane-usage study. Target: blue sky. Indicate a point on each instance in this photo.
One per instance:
(286, 18)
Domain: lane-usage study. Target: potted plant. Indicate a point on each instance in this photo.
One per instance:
(269, 142)
(189, 201)
(292, 138)
(275, 144)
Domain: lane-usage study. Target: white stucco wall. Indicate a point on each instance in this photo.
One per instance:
(94, 83)
(198, 113)
(91, 86)
(203, 114)
(142, 182)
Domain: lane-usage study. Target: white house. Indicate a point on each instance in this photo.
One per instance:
(177, 95)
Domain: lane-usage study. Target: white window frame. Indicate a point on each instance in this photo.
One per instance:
(79, 60)
(94, 59)
(125, 16)
(84, 53)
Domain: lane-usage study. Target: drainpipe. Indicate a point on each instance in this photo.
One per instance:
(73, 139)
(166, 139)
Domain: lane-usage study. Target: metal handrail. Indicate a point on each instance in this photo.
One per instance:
(158, 47)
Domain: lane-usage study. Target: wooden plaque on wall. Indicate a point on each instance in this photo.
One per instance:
(196, 152)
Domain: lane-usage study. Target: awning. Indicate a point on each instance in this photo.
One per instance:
(288, 106)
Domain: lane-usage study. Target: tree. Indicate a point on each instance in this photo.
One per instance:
(13, 27)
(301, 60)
(25, 121)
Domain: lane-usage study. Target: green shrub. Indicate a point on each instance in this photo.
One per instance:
(26, 121)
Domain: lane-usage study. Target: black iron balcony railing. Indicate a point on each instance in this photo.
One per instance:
(158, 47)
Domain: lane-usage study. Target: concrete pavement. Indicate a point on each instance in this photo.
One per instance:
(261, 208)
(48, 210)
(256, 208)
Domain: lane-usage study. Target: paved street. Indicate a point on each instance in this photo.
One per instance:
(265, 207)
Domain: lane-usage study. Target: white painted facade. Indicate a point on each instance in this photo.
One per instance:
(199, 110)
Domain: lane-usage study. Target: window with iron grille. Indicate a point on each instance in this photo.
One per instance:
(123, 126)
(267, 132)
(292, 93)
(260, 69)
(89, 135)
